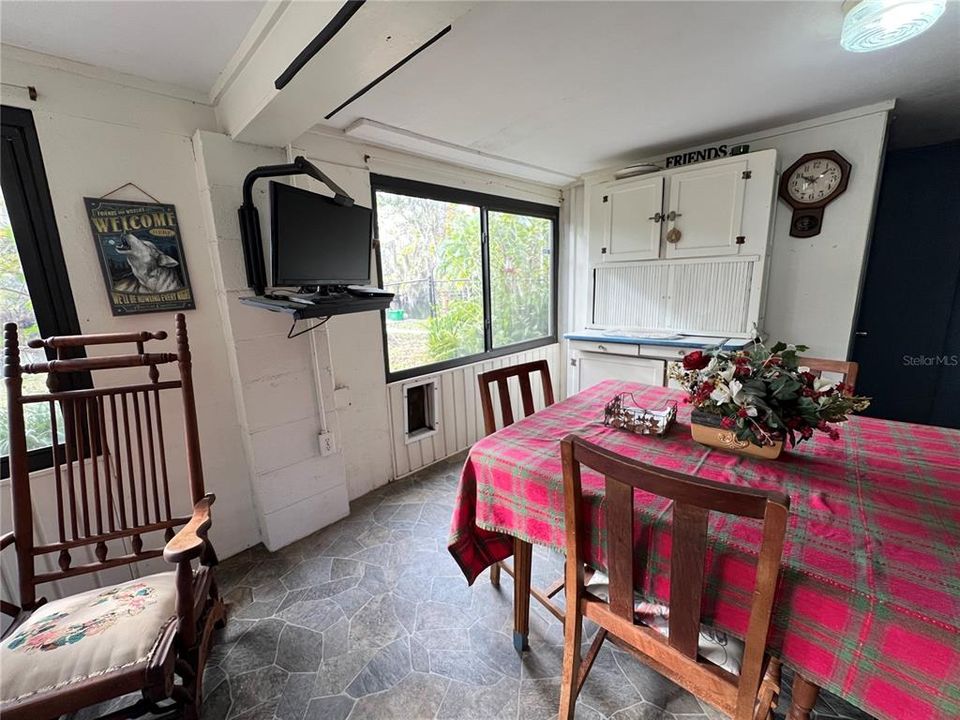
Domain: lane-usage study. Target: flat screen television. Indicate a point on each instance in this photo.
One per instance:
(316, 241)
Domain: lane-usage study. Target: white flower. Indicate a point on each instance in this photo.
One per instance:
(819, 384)
(728, 373)
(802, 369)
(736, 388)
(720, 394)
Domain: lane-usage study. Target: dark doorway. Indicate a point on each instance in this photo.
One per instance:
(908, 331)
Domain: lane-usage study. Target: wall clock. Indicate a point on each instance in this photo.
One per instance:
(809, 185)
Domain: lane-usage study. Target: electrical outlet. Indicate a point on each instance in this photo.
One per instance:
(326, 444)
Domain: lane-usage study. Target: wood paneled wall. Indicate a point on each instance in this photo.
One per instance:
(461, 418)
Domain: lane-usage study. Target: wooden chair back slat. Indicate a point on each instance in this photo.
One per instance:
(57, 476)
(847, 369)
(115, 427)
(506, 405)
(526, 395)
(112, 458)
(502, 377)
(163, 454)
(93, 445)
(105, 455)
(693, 500)
(688, 551)
(131, 475)
(619, 509)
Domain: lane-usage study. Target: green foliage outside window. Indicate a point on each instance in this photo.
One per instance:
(16, 306)
(432, 259)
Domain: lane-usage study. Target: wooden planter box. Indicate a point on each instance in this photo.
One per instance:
(706, 429)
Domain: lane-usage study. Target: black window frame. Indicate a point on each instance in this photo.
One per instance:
(486, 203)
(32, 218)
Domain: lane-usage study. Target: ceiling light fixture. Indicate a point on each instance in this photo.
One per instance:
(876, 24)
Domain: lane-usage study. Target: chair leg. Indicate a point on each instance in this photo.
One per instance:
(215, 617)
(572, 637)
(522, 560)
(495, 574)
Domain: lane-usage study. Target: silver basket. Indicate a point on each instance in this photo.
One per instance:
(641, 421)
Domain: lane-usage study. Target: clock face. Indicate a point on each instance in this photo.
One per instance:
(815, 180)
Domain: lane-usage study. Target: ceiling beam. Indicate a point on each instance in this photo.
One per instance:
(373, 40)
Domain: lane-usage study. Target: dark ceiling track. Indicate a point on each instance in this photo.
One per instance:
(366, 88)
(344, 14)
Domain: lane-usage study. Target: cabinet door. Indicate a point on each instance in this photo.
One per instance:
(631, 228)
(706, 207)
(593, 368)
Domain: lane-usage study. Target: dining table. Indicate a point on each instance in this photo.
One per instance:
(868, 601)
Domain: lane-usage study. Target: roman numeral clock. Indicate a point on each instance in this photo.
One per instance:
(809, 185)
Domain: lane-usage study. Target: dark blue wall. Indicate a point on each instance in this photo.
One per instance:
(910, 306)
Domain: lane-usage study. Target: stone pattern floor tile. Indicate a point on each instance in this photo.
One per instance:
(372, 618)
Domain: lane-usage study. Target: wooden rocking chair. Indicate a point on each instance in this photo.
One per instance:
(151, 634)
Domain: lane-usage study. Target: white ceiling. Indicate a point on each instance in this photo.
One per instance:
(574, 86)
(569, 86)
(181, 43)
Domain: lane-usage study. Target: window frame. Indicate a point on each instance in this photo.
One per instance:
(486, 203)
(35, 234)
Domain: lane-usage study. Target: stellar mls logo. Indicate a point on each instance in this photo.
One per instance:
(931, 360)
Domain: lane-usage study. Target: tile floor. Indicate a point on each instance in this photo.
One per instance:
(371, 618)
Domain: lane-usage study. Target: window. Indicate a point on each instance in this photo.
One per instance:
(474, 275)
(34, 288)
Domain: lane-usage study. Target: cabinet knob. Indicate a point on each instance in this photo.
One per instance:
(673, 215)
(657, 218)
(603, 348)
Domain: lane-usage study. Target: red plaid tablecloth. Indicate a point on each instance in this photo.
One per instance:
(869, 602)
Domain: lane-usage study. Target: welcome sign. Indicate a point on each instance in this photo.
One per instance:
(141, 256)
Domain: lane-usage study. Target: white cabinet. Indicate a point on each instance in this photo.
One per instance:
(719, 208)
(705, 211)
(631, 213)
(592, 368)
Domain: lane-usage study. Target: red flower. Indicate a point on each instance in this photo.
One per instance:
(741, 360)
(695, 360)
(742, 371)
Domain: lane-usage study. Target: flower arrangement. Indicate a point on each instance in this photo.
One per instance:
(765, 395)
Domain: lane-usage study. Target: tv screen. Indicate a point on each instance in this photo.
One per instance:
(316, 241)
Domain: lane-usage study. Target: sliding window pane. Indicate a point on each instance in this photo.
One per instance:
(521, 277)
(431, 260)
(16, 306)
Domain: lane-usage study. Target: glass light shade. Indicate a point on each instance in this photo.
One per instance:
(875, 24)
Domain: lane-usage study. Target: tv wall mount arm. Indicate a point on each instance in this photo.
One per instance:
(250, 235)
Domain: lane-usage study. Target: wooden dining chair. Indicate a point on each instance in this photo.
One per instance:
(113, 498)
(522, 550)
(676, 646)
(846, 369)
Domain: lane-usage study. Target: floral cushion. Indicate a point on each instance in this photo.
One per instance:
(85, 635)
(715, 646)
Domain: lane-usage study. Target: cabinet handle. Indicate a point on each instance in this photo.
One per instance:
(657, 218)
(673, 215)
(602, 348)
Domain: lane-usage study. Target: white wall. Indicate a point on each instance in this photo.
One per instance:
(95, 135)
(356, 341)
(814, 283)
(283, 387)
